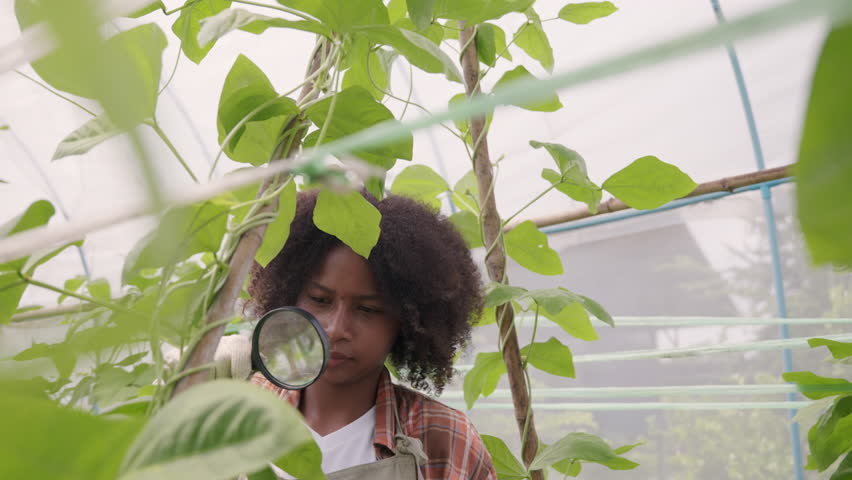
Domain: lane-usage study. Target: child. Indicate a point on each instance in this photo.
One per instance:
(412, 303)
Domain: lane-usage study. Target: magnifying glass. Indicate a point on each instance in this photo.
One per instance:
(289, 347)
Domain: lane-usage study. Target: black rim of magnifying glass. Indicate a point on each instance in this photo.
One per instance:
(258, 364)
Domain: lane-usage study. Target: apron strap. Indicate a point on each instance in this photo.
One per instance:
(406, 445)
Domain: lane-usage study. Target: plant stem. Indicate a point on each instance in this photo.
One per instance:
(63, 97)
(281, 8)
(160, 133)
(495, 262)
(537, 197)
(85, 298)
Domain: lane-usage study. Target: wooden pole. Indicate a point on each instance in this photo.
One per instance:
(495, 261)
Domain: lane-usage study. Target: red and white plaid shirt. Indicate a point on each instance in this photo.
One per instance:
(451, 442)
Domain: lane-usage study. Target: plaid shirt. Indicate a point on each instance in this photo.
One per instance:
(454, 448)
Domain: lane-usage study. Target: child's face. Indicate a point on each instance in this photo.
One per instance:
(359, 321)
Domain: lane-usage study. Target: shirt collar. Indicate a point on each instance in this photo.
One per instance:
(385, 408)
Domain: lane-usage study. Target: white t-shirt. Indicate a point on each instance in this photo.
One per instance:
(346, 447)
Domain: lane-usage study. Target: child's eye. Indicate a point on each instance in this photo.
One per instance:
(320, 300)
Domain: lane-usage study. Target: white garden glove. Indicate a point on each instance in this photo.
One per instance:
(232, 358)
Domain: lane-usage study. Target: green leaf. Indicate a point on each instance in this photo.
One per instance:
(583, 13)
(551, 104)
(37, 214)
(343, 15)
(215, 430)
(574, 446)
(551, 356)
(131, 359)
(376, 79)
(844, 470)
(597, 310)
(420, 12)
(72, 285)
(572, 179)
(497, 293)
(182, 232)
(154, 6)
(350, 218)
(434, 32)
(468, 225)
(420, 183)
(78, 445)
(354, 110)
(463, 125)
(486, 47)
(217, 26)
(649, 183)
(478, 11)
(417, 49)
(99, 289)
(482, 379)
(820, 386)
(575, 321)
(188, 26)
(466, 193)
(397, 10)
(831, 436)
(553, 300)
(839, 350)
(505, 464)
(527, 245)
(532, 40)
(91, 134)
(823, 171)
(11, 290)
(246, 88)
(278, 231)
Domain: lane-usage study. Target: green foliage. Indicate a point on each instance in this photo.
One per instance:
(581, 447)
(839, 350)
(497, 293)
(809, 379)
(583, 13)
(505, 463)
(491, 44)
(88, 136)
(153, 7)
(420, 12)
(551, 356)
(550, 104)
(575, 321)
(532, 40)
(420, 183)
(831, 436)
(354, 110)
(466, 193)
(349, 217)
(216, 26)
(44, 440)
(216, 430)
(482, 379)
(468, 225)
(188, 25)
(247, 89)
(122, 72)
(417, 49)
(343, 16)
(182, 231)
(527, 245)
(278, 231)
(478, 11)
(823, 172)
(572, 178)
(370, 69)
(649, 183)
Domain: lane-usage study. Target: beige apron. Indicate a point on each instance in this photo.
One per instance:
(404, 465)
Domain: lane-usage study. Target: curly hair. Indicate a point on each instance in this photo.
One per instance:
(421, 263)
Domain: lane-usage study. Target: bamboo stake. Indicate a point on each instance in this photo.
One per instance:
(495, 261)
(242, 259)
(728, 184)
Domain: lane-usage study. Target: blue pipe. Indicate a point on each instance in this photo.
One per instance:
(777, 273)
(683, 202)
